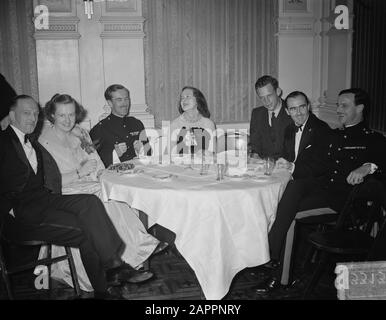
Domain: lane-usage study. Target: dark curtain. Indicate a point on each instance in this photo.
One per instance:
(17, 46)
(369, 57)
(219, 46)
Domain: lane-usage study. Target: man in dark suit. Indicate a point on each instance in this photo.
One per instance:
(306, 134)
(351, 156)
(268, 124)
(78, 221)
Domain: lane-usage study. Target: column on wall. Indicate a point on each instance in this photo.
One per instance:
(314, 57)
(123, 56)
(57, 51)
(81, 56)
(336, 57)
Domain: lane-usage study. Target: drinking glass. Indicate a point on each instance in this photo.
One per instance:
(269, 165)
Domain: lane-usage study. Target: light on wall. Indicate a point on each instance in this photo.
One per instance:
(88, 8)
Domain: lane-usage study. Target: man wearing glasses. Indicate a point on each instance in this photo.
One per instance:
(119, 136)
(306, 133)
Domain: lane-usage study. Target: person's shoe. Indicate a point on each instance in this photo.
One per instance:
(267, 286)
(160, 247)
(126, 273)
(112, 293)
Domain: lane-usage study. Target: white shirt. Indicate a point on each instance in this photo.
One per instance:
(28, 149)
(276, 112)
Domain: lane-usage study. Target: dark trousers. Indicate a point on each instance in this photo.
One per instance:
(78, 221)
(307, 194)
(299, 195)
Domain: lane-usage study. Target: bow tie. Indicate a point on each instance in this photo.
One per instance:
(298, 128)
(27, 138)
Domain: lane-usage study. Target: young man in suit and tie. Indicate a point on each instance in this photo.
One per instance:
(305, 134)
(78, 221)
(268, 124)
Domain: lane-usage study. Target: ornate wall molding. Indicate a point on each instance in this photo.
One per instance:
(296, 27)
(122, 27)
(59, 28)
(122, 6)
(59, 7)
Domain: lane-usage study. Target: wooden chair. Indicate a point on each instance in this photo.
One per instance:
(351, 237)
(11, 232)
(320, 219)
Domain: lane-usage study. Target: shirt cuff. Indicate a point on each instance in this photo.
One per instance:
(292, 167)
(373, 167)
(115, 157)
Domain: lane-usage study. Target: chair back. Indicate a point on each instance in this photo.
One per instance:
(233, 140)
(360, 213)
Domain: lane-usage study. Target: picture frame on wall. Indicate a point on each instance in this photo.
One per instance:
(298, 6)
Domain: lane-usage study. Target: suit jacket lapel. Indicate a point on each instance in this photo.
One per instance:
(292, 142)
(306, 136)
(18, 147)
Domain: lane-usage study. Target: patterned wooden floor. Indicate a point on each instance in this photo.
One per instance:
(175, 280)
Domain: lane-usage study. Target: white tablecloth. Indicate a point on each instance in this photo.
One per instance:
(221, 227)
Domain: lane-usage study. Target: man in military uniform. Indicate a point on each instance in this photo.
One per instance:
(352, 155)
(119, 136)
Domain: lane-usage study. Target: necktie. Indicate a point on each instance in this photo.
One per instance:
(298, 128)
(30, 153)
(273, 118)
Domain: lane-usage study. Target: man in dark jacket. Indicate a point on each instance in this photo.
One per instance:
(268, 123)
(306, 134)
(78, 221)
(119, 136)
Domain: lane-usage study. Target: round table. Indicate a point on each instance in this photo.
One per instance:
(221, 227)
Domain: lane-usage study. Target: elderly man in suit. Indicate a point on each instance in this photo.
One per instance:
(268, 123)
(350, 156)
(78, 221)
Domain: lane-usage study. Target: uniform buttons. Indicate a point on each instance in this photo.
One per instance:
(332, 180)
(336, 172)
(337, 161)
(124, 126)
(352, 158)
(345, 137)
(339, 149)
(127, 136)
(329, 153)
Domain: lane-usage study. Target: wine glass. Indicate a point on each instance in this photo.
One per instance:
(269, 165)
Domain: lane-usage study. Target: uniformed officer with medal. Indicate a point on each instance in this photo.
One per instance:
(119, 137)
